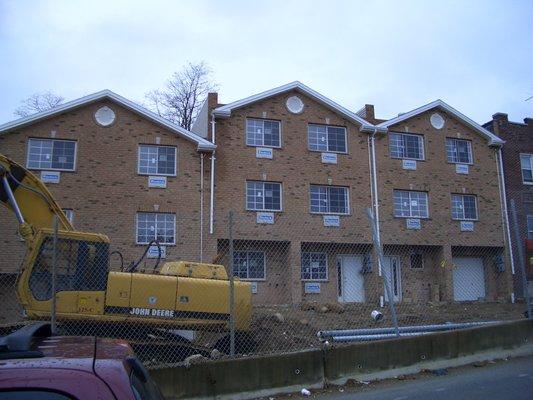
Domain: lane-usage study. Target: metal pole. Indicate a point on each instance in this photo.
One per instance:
(54, 270)
(521, 261)
(380, 256)
(231, 288)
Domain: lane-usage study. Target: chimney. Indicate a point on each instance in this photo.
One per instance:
(212, 101)
(500, 117)
(369, 112)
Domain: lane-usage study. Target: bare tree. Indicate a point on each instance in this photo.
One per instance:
(182, 97)
(38, 102)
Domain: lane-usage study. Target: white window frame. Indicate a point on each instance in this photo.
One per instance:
(51, 168)
(263, 133)
(69, 213)
(404, 157)
(522, 169)
(328, 196)
(302, 266)
(248, 267)
(327, 139)
(529, 231)
(410, 204)
(264, 209)
(149, 212)
(157, 146)
(470, 150)
(463, 206)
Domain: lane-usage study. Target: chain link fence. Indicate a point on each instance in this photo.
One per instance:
(272, 283)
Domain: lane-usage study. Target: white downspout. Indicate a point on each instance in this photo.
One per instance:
(202, 207)
(376, 196)
(212, 192)
(504, 207)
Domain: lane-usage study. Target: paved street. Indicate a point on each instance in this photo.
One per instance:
(511, 380)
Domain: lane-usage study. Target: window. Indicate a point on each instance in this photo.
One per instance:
(51, 154)
(262, 132)
(410, 204)
(314, 266)
(464, 207)
(526, 163)
(69, 214)
(329, 200)
(459, 151)
(157, 160)
(416, 260)
(327, 138)
(530, 226)
(263, 196)
(156, 226)
(406, 146)
(249, 264)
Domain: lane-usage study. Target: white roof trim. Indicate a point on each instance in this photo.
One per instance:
(225, 111)
(203, 144)
(492, 138)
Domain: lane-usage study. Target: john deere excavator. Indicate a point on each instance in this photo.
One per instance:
(181, 295)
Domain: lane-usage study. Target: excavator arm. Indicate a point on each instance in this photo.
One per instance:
(29, 199)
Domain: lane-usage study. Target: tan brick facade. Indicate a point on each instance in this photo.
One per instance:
(105, 192)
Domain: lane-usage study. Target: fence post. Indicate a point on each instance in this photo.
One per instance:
(54, 270)
(519, 245)
(390, 295)
(231, 287)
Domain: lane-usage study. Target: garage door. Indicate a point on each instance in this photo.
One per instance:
(468, 278)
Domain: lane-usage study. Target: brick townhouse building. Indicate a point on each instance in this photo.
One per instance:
(116, 168)
(299, 172)
(518, 167)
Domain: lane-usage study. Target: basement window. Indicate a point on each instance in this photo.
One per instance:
(314, 266)
(416, 260)
(249, 265)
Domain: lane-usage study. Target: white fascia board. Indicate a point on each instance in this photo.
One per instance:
(225, 110)
(203, 144)
(492, 138)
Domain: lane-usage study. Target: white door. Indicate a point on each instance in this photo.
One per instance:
(351, 280)
(391, 272)
(468, 278)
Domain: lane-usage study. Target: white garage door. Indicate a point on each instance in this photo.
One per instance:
(468, 278)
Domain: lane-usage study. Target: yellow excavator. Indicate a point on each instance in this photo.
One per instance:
(181, 295)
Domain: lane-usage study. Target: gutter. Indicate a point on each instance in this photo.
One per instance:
(505, 214)
(212, 189)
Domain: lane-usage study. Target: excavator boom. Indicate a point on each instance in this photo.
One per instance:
(28, 198)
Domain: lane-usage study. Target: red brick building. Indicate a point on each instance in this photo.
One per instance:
(518, 167)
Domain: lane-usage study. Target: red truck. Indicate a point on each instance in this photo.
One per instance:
(36, 365)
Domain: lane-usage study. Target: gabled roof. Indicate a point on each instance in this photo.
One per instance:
(225, 110)
(492, 138)
(202, 143)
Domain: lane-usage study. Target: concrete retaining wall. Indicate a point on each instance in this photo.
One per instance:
(262, 376)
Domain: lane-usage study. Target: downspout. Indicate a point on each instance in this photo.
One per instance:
(212, 191)
(376, 197)
(504, 207)
(202, 207)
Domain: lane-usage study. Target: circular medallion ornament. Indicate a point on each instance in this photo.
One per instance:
(295, 105)
(104, 116)
(436, 121)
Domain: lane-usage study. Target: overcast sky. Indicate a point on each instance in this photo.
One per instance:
(475, 55)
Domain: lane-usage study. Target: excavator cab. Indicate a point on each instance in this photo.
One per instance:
(81, 273)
